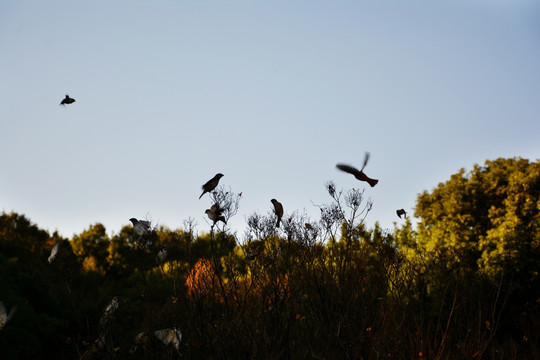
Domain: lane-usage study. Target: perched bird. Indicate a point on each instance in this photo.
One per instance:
(170, 336)
(54, 253)
(161, 255)
(308, 226)
(141, 227)
(359, 174)
(278, 208)
(4, 316)
(211, 184)
(401, 212)
(216, 214)
(109, 311)
(67, 100)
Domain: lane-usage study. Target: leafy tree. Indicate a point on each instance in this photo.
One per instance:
(486, 219)
(91, 246)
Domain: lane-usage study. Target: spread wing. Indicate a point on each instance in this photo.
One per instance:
(347, 168)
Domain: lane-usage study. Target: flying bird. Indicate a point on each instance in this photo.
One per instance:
(162, 255)
(278, 208)
(401, 212)
(4, 316)
(359, 174)
(170, 336)
(141, 227)
(211, 184)
(67, 100)
(216, 214)
(54, 253)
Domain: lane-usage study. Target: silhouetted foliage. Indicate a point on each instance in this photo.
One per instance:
(462, 285)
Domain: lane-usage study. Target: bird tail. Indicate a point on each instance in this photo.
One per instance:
(372, 182)
(278, 222)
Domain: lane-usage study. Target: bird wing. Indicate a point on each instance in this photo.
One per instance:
(145, 223)
(347, 168)
(366, 159)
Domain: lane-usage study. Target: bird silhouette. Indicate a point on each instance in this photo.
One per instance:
(401, 212)
(278, 208)
(359, 174)
(215, 213)
(54, 253)
(4, 316)
(170, 336)
(211, 184)
(67, 100)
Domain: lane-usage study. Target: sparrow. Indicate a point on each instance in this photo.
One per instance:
(141, 227)
(359, 174)
(278, 208)
(401, 212)
(67, 100)
(215, 214)
(161, 255)
(211, 184)
(4, 316)
(170, 336)
(54, 253)
(109, 311)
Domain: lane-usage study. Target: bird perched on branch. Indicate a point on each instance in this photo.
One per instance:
(215, 213)
(401, 212)
(109, 311)
(278, 209)
(359, 174)
(211, 184)
(161, 255)
(170, 336)
(67, 100)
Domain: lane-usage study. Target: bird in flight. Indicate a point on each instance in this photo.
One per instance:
(278, 208)
(4, 316)
(170, 336)
(141, 227)
(401, 212)
(67, 100)
(211, 184)
(54, 253)
(359, 174)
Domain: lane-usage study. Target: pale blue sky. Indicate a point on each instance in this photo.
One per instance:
(271, 94)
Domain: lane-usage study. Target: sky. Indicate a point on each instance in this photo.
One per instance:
(271, 94)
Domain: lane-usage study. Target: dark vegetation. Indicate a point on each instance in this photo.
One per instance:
(464, 285)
